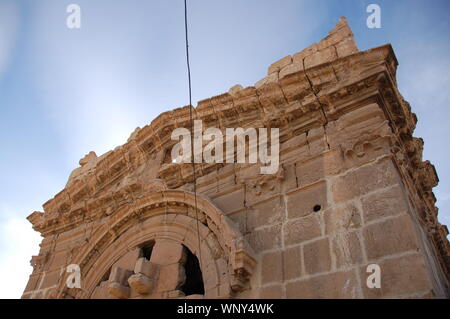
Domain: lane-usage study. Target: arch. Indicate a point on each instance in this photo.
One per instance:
(227, 261)
(193, 285)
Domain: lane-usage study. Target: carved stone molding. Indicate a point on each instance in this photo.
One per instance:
(161, 208)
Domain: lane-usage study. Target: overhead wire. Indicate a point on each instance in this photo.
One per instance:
(191, 119)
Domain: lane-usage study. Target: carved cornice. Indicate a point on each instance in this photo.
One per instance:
(419, 176)
(291, 104)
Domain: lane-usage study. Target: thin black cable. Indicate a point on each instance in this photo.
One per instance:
(192, 130)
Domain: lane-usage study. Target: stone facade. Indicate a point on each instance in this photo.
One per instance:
(352, 190)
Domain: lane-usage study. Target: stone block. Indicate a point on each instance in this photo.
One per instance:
(359, 117)
(320, 57)
(230, 202)
(302, 202)
(310, 172)
(145, 267)
(261, 190)
(271, 78)
(364, 180)
(265, 213)
(58, 260)
(300, 56)
(141, 283)
(128, 260)
(277, 66)
(318, 168)
(239, 218)
(316, 256)
(271, 267)
(265, 238)
(292, 262)
(101, 291)
(338, 285)
(50, 278)
(271, 292)
(342, 218)
(390, 237)
(388, 202)
(171, 277)
(346, 248)
(346, 47)
(235, 89)
(118, 291)
(120, 275)
(290, 69)
(290, 178)
(167, 253)
(400, 276)
(302, 229)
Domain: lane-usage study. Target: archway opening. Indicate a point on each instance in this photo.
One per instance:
(147, 249)
(193, 284)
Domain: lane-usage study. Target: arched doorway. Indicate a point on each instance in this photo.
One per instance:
(158, 235)
(163, 268)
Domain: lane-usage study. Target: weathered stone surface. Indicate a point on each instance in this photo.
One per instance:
(346, 247)
(277, 66)
(265, 238)
(101, 291)
(268, 212)
(301, 202)
(141, 284)
(168, 253)
(120, 275)
(342, 218)
(364, 180)
(334, 285)
(118, 291)
(320, 57)
(271, 292)
(390, 237)
(272, 267)
(318, 168)
(302, 229)
(316, 256)
(290, 69)
(145, 267)
(171, 277)
(118, 283)
(400, 277)
(128, 260)
(231, 202)
(292, 262)
(388, 202)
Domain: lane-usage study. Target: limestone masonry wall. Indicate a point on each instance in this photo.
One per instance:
(352, 190)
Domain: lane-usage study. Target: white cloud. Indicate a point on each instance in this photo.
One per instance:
(19, 242)
(87, 81)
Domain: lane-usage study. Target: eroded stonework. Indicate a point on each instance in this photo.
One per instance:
(352, 190)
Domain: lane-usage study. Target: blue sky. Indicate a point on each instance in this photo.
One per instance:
(65, 92)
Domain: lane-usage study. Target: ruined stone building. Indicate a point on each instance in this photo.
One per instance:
(351, 190)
